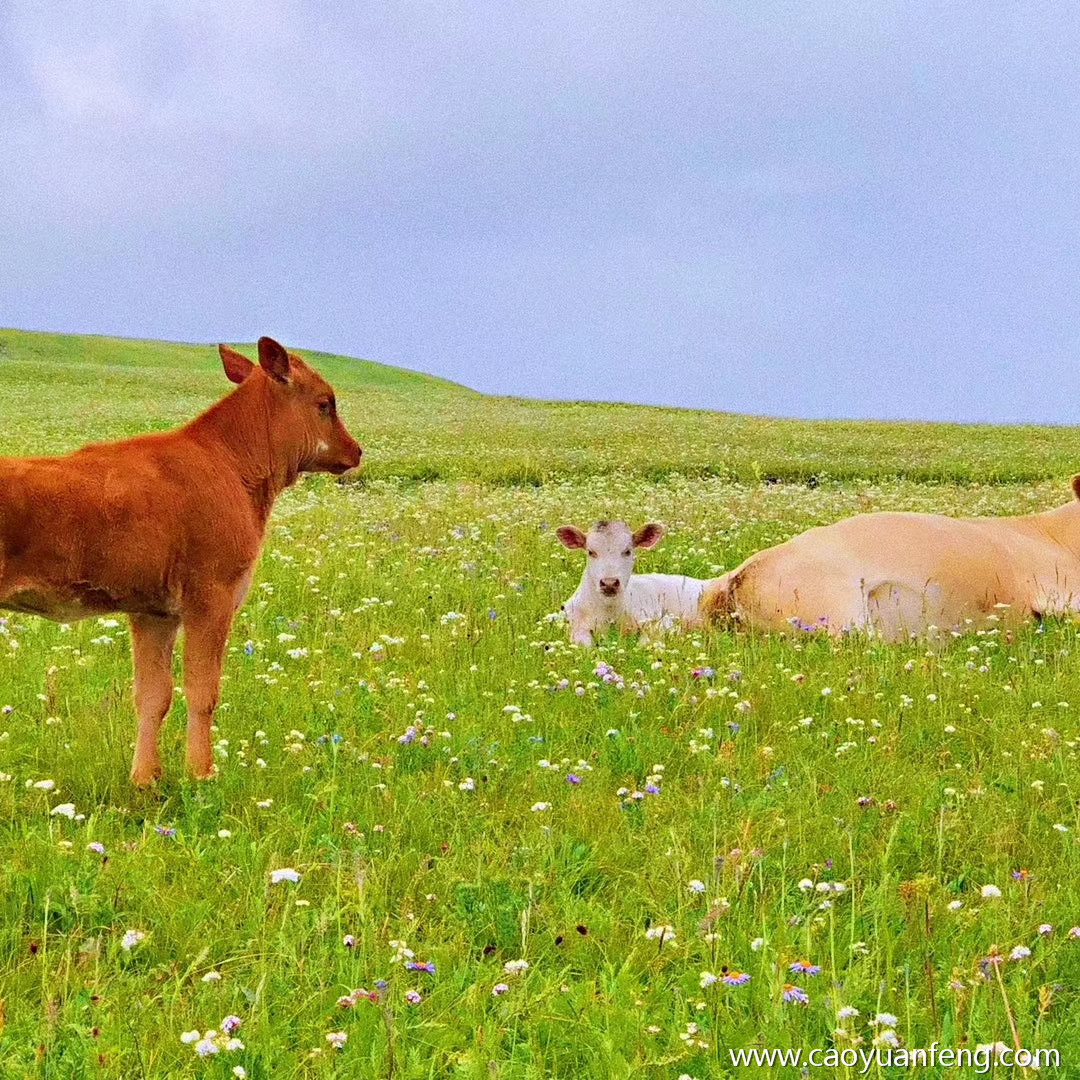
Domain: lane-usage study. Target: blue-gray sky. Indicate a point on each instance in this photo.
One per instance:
(803, 208)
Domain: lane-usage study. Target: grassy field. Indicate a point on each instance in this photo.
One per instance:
(516, 858)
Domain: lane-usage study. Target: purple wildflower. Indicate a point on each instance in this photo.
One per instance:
(804, 967)
(795, 994)
(735, 978)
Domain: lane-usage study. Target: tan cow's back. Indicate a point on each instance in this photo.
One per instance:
(898, 573)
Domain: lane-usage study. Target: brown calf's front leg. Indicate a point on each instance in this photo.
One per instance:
(206, 631)
(152, 640)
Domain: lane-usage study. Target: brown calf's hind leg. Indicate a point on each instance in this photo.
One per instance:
(205, 634)
(152, 640)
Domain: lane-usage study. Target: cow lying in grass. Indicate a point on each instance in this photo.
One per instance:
(896, 574)
(611, 594)
(167, 529)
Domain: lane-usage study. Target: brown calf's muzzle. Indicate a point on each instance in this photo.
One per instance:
(347, 453)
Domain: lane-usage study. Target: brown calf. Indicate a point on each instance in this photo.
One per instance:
(167, 529)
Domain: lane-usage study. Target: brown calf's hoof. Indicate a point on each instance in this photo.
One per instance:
(143, 776)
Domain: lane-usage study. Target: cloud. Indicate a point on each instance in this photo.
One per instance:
(796, 207)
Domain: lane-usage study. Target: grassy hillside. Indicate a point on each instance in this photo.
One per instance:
(425, 428)
(518, 859)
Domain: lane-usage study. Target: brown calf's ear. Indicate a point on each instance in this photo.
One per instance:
(648, 535)
(1076, 485)
(570, 537)
(237, 366)
(273, 359)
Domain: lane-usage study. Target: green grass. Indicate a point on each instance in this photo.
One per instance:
(912, 775)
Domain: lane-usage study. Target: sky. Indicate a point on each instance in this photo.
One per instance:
(811, 208)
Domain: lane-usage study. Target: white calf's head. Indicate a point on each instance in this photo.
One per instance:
(609, 546)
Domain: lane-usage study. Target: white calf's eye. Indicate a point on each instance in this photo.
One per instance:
(592, 554)
(626, 552)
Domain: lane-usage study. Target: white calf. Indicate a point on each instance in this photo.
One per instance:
(611, 594)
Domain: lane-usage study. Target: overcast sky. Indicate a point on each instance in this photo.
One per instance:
(808, 208)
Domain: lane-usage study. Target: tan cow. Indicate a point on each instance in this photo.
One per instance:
(894, 574)
(167, 529)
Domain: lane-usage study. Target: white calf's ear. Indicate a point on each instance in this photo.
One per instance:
(570, 537)
(648, 535)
